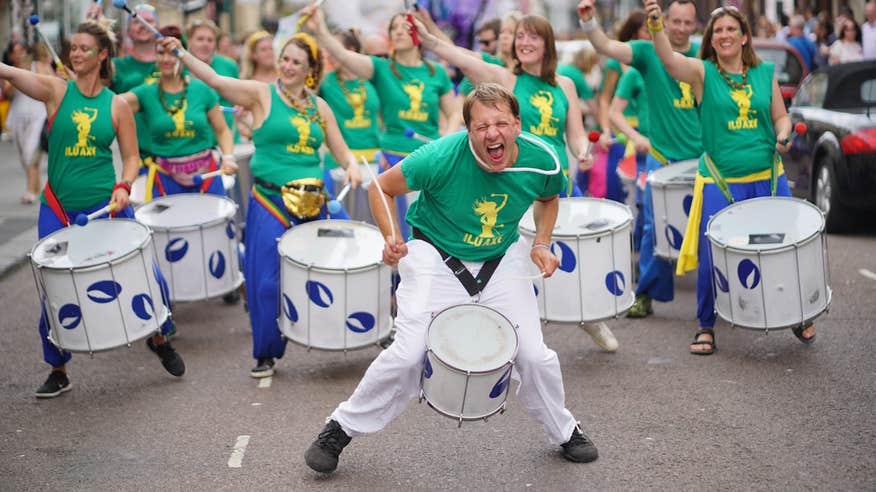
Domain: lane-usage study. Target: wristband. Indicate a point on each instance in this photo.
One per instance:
(587, 26)
(123, 185)
(541, 245)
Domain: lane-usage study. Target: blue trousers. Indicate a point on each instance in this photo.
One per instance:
(614, 189)
(713, 202)
(655, 274)
(638, 227)
(48, 223)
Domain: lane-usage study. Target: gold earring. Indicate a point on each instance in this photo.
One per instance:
(310, 81)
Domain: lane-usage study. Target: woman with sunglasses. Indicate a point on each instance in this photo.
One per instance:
(183, 122)
(290, 124)
(744, 125)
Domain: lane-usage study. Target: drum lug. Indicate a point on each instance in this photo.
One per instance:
(459, 423)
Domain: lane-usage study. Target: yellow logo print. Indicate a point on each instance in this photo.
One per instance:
(356, 99)
(686, 101)
(83, 120)
(742, 98)
(179, 124)
(414, 90)
(543, 101)
(489, 215)
(302, 126)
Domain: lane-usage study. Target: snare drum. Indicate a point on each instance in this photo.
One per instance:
(99, 284)
(196, 237)
(769, 260)
(467, 370)
(593, 240)
(334, 289)
(672, 194)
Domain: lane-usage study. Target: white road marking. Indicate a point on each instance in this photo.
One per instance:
(265, 382)
(236, 459)
(867, 273)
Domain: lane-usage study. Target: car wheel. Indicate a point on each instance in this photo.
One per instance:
(826, 197)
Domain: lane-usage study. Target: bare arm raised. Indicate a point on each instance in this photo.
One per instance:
(46, 88)
(361, 65)
(621, 52)
(680, 67)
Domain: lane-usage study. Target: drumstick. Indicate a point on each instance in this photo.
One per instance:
(334, 206)
(799, 129)
(228, 109)
(34, 21)
(592, 138)
(382, 198)
(304, 17)
(410, 133)
(121, 4)
(198, 179)
(83, 219)
(415, 36)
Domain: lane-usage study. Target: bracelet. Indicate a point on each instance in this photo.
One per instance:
(655, 24)
(123, 185)
(541, 245)
(227, 157)
(587, 26)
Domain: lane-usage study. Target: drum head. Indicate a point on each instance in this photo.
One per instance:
(681, 173)
(333, 244)
(473, 338)
(98, 242)
(185, 210)
(583, 217)
(763, 224)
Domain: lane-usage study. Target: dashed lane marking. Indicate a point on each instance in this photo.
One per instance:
(236, 459)
(265, 382)
(867, 273)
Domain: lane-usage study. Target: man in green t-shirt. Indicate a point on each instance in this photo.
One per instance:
(468, 211)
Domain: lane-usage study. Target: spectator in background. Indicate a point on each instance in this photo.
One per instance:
(488, 36)
(764, 28)
(226, 47)
(868, 31)
(798, 39)
(847, 47)
(824, 37)
(257, 63)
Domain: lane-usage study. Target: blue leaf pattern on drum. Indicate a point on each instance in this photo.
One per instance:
(615, 283)
(363, 322)
(427, 370)
(500, 386)
(143, 306)
(231, 230)
(566, 256)
(686, 203)
(217, 264)
(176, 249)
(721, 280)
(749, 274)
(319, 294)
(674, 237)
(69, 316)
(104, 291)
(535, 288)
(289, 309)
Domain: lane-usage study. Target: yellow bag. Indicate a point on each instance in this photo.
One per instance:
(304, 197)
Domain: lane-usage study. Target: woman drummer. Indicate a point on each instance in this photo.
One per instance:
(184, 121)
(85, 119)
(290, 124)
(744, 125)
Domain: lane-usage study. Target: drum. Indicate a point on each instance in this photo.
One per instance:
(593, 240)
(356, 202)
(243, 153)
(470, 353)
(99, 284)
(196, 237)
(334, 289)
(672, 194)
(769, 260)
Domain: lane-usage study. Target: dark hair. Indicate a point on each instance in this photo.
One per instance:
(542, 27)
(489, 94)
(309, 46)
(749, 57)
(173, 31)
(494, 25)
(350, 40)
(631, 25)
(7, 55)
(392, 64)
(857, 30)
(105, 41)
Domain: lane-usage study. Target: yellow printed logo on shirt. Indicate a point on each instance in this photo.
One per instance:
(488, 210)
(414, 90)
(744, 121)
(543, 101)
(83, 119)
(181, 127)
(302, 125)
(686, 101)
(356, 99)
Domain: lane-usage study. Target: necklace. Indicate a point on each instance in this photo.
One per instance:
(732, 83)
(357, 96)
(177, 106)
(303, 104)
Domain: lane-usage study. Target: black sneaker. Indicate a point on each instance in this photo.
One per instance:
(264, 368)
(232, 297)
(171, 360)
(579, 448)
(55, 384)
(322, 455)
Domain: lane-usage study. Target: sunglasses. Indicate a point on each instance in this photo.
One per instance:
(723, 10)
(486, 41)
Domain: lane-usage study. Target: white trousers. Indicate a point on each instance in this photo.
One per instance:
(428, 286)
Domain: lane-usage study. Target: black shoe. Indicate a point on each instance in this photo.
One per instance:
(171, 360)
(232, 297)
(55, 384)
(264, 368)
(322, 455)
(579, 448)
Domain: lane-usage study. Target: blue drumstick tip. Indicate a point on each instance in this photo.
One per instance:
(34, 19)
(197, 179)
(409, 132)
(334, 206)
(81, 219)
(119, 4)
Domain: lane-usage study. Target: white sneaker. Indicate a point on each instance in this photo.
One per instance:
(602, 336)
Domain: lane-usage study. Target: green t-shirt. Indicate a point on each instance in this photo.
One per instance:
(611, 65)
(227, 67)
(737, 124)
(631, 87)
(187, 131)
(468, 212)
(127, 74)
(410, 102)
(287, 144)
(357, 109)
(584, 91)
(465, 86)
(673, 119)
(543, 109)
(81, 171)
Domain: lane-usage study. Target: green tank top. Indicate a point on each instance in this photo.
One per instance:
(543, 110)
(128, 73)
(631, 87)
(737, 123)
(81, 170)
(227, 67)
(184, 132)
(287, 143)
(357, 108)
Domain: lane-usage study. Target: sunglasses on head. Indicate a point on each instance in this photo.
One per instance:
(723, 10)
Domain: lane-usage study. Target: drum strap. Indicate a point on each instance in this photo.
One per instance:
(474, 285)
(55, 205)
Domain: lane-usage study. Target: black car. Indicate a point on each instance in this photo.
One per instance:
(834, 163)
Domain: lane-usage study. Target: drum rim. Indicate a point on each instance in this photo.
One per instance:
(651, 179)
(309, 266)
(607, 232)
(97, 266)
(196, 227)
(766, 251)
(464, 371)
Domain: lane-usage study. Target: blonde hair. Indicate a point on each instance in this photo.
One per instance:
(246, 61)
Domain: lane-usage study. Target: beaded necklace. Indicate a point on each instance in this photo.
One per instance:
(177, 106)
(347, 94)
(732, 83)
(302, 107)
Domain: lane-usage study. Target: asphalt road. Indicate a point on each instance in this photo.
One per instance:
(763, 413)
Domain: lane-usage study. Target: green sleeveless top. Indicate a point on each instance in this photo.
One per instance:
(737, 124)
(357, 108)
(127, 74)
(287, 143)
(543, 110)
(186, 131)
(227, 67)
(81, 170)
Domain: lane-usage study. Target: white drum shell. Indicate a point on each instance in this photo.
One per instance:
(85, 313)
(471, 352)
(672, 194)
(196, 237)
(593, 239)
(340, 307)
(770, 286)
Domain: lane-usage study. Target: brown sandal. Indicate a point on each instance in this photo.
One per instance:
(710, 344)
